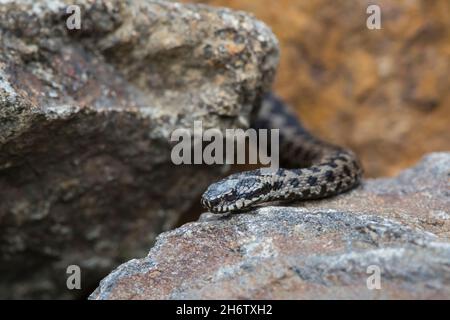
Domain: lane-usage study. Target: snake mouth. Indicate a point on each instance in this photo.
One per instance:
(215, 208)
(238, 206)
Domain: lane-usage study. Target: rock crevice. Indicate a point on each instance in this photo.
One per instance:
(318, 250)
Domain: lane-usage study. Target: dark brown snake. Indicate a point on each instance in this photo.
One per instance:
(319, 169)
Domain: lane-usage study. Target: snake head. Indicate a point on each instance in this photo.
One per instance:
(235, 193)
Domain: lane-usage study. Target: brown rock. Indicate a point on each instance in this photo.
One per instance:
(85, 121)
(384, 93)
(320, 249)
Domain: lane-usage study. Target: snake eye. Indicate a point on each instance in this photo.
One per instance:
(229, 196)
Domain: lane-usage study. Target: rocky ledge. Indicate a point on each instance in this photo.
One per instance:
(389, 238)
(86, 115)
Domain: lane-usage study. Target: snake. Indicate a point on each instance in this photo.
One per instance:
(312, 168)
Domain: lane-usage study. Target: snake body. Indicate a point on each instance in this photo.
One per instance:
(313, 168)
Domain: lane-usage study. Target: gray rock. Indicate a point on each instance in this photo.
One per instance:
(85, 119)
(318, 249)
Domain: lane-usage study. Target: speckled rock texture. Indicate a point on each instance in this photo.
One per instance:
(85, 120)
(383, 93)
(314, 250)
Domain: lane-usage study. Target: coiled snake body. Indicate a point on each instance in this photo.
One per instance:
(315, 169)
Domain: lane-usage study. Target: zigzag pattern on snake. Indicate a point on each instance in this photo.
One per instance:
(313, 168)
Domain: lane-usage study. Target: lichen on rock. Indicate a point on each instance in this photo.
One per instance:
(85, 121)
(315, 250)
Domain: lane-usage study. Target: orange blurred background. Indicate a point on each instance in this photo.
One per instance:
(383, 93)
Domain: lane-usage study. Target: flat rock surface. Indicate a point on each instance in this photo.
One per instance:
(397, 228)
(86, 115)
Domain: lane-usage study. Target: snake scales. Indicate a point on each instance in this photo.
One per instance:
(313, 169)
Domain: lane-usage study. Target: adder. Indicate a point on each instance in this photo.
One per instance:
(315, 169)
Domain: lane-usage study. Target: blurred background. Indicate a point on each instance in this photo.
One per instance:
(383, 93)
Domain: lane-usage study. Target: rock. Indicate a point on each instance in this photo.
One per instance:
(86, 115)
(399, 227)
(383, 93)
